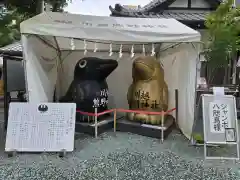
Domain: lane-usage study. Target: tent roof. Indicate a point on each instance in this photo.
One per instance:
(99, 28)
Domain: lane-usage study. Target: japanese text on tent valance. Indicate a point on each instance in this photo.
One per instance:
(116, 25)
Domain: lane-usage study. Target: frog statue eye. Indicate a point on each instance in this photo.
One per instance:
(82, 63)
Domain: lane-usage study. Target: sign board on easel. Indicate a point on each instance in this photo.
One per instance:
(45, 127)
(220, 122)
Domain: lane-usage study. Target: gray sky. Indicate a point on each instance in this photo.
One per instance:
(99, 7)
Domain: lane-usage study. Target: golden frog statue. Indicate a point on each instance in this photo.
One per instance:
(148, 91)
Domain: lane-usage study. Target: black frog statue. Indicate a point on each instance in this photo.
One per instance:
(89, 89)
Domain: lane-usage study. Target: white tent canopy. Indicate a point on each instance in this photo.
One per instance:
(54, 42)
(109, 28)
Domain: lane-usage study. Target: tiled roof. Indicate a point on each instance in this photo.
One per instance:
(180, 16)
(152, 5)
(145, 8)
(14, 47)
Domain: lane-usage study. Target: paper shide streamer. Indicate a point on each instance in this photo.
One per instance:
(72, 44)
(153, 50)
(95, 47)
(143, 50)
(132, 51)
(85, 47)
(110, 50)
(120, 51)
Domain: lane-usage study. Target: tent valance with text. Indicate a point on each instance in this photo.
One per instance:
(100, 28)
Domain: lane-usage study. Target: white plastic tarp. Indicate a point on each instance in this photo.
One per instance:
(50, 38)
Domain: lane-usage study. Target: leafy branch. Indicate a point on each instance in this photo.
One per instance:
(9, 27)
(20, 10)
(224, 28)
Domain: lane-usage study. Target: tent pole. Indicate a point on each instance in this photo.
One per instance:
(176, 105)
(57, 45)
(6, 94)
(24, 62)
(45, 42)
(168, 47)
(59, 66)
(195, 98)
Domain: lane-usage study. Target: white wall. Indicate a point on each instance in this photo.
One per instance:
(194, 4)
(180, 3)
(200, 4)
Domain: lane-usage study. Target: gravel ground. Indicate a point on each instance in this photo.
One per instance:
(120, 156)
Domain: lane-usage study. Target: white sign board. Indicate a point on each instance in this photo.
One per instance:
(220, 118)
(220, 121)
(218, 91)
(219, 114)
(45, 127)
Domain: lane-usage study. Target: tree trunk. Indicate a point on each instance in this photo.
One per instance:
(225, 75)
(55, 7)
(39, 6)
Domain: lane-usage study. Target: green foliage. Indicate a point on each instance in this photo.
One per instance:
(9, 31)
(19, 10)
(26, 7)
(58, 5)
(224, 29)
(32, 7)
(198, 137)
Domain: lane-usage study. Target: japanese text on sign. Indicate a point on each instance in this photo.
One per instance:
(102, 100)
(117, 25)
(219, 117)
(142, 100)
